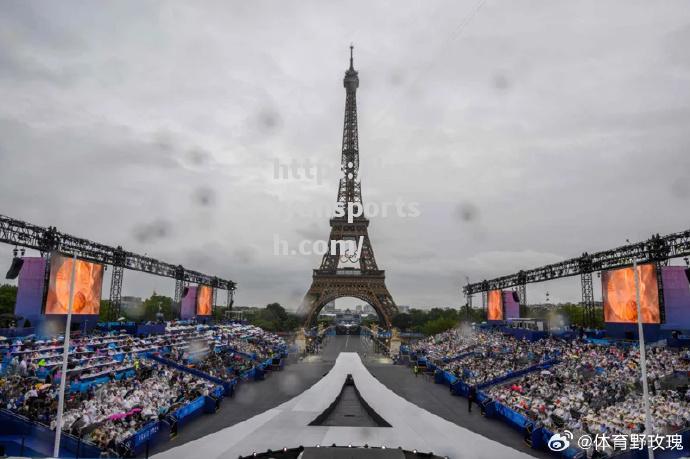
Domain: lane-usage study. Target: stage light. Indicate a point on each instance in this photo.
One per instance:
(414, 451)
(318, 446)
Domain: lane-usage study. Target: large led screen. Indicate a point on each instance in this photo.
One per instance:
(204, 300)
(188, 306)
(495, 306)
(32, 279)
(676, 298)
(511, 305)
(88, 281)
(618, 290)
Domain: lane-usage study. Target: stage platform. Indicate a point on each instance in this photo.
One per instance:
(287, 425)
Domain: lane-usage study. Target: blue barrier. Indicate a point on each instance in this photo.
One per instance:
(42, 438)
(151, 434)
(277, 363)
(248, 374)
(511, 417)
(193, 409)
(444, 377)
(189, 409)
(259, 373)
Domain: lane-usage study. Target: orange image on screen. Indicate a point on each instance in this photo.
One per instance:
(88, 281)
(495, 307)
(618, 288)
(204, 300)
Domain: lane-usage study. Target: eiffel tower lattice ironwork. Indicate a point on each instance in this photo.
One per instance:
(364, 280)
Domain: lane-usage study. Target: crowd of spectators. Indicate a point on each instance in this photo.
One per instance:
(123, 388)
(476, 357)
(596, 389)
(589, 388)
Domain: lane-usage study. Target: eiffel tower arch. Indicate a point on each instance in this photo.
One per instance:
(360, 276)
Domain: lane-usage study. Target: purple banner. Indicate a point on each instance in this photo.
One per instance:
(188, 309)
(30, 287)
(510, 306)
(676, 298)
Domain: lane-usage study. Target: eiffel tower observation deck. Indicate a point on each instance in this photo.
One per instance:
(342, 274)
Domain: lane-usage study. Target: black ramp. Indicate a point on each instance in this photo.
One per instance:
(349, 409)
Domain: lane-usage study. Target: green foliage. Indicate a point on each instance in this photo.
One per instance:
(569, 313)
(219, 312)
(403, 321)
(8, 296)
(103, 312)
(274, 317)
(438, 325)
(429, 322)
(156, 303)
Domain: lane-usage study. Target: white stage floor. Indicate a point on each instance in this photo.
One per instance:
(287, 425)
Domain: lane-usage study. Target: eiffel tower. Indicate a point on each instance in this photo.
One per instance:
(365, 280)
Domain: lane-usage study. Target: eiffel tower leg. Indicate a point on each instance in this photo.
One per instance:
(327, 288)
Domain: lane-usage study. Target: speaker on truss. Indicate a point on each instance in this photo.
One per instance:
(516, 297)
(687, 273)
(185, 290)
(15, 267)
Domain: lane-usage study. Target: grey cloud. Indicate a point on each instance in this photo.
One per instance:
(535, 134)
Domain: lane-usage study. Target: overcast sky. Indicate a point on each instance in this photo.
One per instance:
(526, 132)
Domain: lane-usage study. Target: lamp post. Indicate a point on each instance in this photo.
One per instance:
(643, 361)
(65, 353)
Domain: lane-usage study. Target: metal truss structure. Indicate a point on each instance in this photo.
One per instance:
(46, 240)
(657, 249)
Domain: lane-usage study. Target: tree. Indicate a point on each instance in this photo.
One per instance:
(158, 303)
(438, 325)
(8, 297)
(104, 310)
(274, 317)
(403, 321)
(278, 311)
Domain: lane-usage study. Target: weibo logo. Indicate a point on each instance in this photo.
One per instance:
(559, 442)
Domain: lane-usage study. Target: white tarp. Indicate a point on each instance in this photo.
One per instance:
(287, 425)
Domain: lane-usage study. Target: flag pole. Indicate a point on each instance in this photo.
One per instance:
(643, 361)
(65, 353)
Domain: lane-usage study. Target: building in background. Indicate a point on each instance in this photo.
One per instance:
(329, 308)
